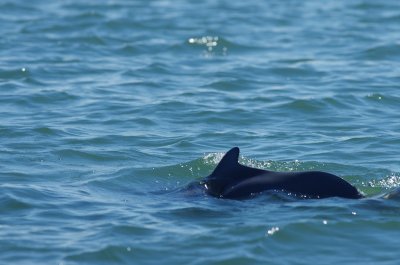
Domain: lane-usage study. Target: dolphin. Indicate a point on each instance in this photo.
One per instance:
(232, 180)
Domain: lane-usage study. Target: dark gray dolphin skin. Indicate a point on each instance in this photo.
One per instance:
(232, 180)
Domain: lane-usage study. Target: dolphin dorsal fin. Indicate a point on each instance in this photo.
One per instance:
(228, 162)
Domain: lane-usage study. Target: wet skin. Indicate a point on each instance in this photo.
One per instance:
(232, 180)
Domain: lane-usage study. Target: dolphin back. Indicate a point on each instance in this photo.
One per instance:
(228, 173)
(235, 181)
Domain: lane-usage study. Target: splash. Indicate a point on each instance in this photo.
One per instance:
(272, 231)
(213, 158)
(390, 182)
(211, 43)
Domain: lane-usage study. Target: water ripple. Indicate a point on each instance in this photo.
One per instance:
(109, 109)
(390, 52)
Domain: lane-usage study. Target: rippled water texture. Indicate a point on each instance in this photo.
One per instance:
(109, 108)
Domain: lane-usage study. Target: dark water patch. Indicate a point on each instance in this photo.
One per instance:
(115, 255)
(11, 204)
(305, 106)
(131, 73)
(125, 118)
(17, 11)
(117, 27)
(49, 131)
(22, 102)
(13, 86)
(15, 177)
(106, 255)
(37, 105)
(157, 67)
(89, 155)
(263, 100)
(229, 117)
(89, 40)
(329, 105)
(13, 132)
(195, 213)
(14, 74)
(128, 50)
(80, 7)
(52, 97)
(295, 61)
(374, 208)
(337, 102)
(295, 72)
(79, 73)
(385, 18)
(135, 230)
(98, 213)
(35, 81)
(24, 254)
(107, 142)
(386, 52)
(20, 197)
(94, 16)
(374, 6)
(144, 121)
(231, 84)
(385, 100)
(49, 26)
(55, 59)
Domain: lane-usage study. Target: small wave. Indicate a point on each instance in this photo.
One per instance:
(188, 170)
(305, 105)
(295, 72)
(196, 213)
(371, 6)
(92, 40)
(124, 25)
(11, 204)
(12, 132)
(138, 230)
(14, 9)
(314, 104)
(108, 254)
(127, 50)
(44, 97)
(22, 197)
(14, 74)
(48, 131)
(66, 154)
(383, 99)
(159, 68)
(382, 52)
(86, 15)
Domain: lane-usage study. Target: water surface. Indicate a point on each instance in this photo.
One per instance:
(108, 108)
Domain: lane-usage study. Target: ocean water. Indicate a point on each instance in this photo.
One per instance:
(109, 108)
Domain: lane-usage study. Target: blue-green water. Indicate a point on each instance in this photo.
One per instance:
(108, 108)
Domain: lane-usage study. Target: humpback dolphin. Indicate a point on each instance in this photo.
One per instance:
(232, 180)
